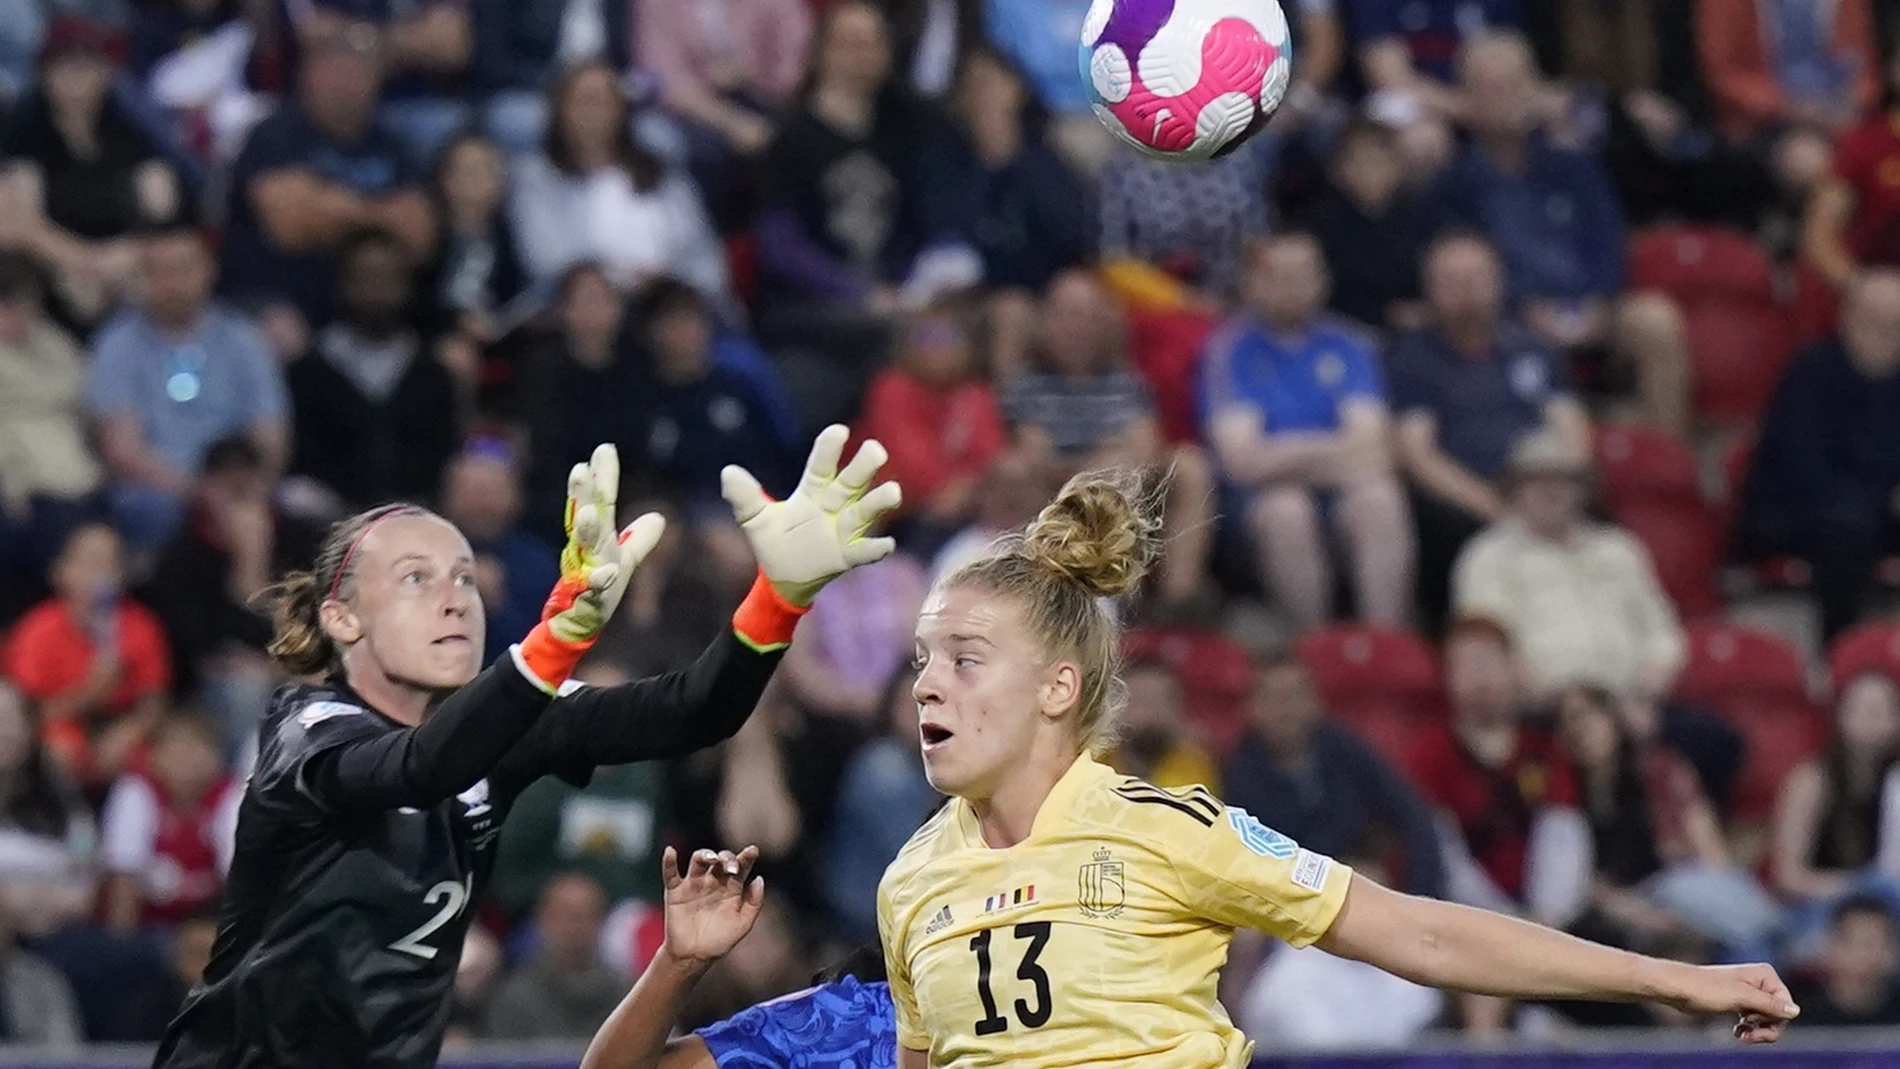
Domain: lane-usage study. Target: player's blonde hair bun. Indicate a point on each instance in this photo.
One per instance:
(1103, 532)
(1094, 542)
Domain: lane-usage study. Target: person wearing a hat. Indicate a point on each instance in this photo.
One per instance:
(79, 175)
(1580, 597)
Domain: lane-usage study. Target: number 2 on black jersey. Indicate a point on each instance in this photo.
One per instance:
(1037, 934)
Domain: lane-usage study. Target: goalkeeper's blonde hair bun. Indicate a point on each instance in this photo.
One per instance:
(1096, 541)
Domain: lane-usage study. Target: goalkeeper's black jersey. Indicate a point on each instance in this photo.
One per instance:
(362, 847)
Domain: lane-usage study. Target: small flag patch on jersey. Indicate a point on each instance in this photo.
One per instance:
(1310, 870)
(939, 922)
(1021, 896)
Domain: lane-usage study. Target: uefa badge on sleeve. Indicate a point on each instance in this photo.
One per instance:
(1099, 890)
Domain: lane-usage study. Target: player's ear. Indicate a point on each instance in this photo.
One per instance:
(1061, 690)
(340, 622)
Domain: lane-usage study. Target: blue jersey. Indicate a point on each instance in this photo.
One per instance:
(844, 1025)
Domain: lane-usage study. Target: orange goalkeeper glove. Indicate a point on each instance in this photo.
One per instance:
(596, 566)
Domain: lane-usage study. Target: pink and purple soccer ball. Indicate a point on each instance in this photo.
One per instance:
(1186, 79)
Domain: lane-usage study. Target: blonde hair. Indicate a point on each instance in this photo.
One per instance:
(1092, 544)
(299, 644)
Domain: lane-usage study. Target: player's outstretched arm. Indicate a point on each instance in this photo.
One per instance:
(475, 728)
(1440, 944)
(708, 910)
(812, 537)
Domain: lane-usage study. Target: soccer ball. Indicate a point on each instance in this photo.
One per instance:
(1186, 79)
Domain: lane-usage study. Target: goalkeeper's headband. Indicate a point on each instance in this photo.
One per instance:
(343, 566)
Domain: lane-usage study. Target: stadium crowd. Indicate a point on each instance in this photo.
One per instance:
(1533, 346)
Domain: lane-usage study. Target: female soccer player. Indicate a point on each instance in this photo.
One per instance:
(1056, 913)
(368, 826)
(842, 1020)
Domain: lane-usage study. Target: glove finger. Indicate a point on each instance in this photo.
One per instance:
(603, 577)
(639, 538)
(743, 493)
(822, 466)
(585, 534)
(580, 486)
(855, 477)
(864, 466)
(872, 506)
(866, 550)
(606, 478)
(861, 515)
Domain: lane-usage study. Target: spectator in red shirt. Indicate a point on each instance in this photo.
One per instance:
(1854, 218)
(938, 418)
(96, 662)
(1517, 841)
(1512, 835)
(168, 830)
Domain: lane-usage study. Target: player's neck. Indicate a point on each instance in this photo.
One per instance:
(1008, 815)
(398, 701)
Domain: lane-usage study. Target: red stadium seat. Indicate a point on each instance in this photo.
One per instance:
(1727, 663)
(1216, 679)
(1383, 683)
(1635, 462)
(1166, 347)
(1871, 647)
(1740, 332)
(1652, 488)
(1759, 684)
(1684, 541)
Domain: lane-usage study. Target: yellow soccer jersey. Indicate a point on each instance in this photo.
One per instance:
(1099, 939)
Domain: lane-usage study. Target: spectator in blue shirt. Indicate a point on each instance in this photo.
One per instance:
(1294, 407)
(1411, 46)
(172, 375)
(1554, 217)
(317, 170)
(1464, 390)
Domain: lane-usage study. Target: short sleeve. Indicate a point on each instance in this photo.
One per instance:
(910, 1030)
(833, 1024)
(280, 780)
(1244, 874)
(1363, 379)
(147, 653)
(111, 376)
(1411, 388)
(129, 827)
(264, 396)
(272, 146)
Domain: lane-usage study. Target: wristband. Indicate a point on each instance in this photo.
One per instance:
(546, 659)
(765, 620)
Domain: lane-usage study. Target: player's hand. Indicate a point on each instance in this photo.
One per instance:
(1754, 993)
(815, 535)
(596, 565)
(711, 907)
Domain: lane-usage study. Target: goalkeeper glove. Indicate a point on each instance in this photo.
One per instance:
(596, 566)
(816, 534)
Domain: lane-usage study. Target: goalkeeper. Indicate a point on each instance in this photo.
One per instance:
(368, 827)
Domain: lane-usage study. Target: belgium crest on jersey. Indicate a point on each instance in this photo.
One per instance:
(1099, 889)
